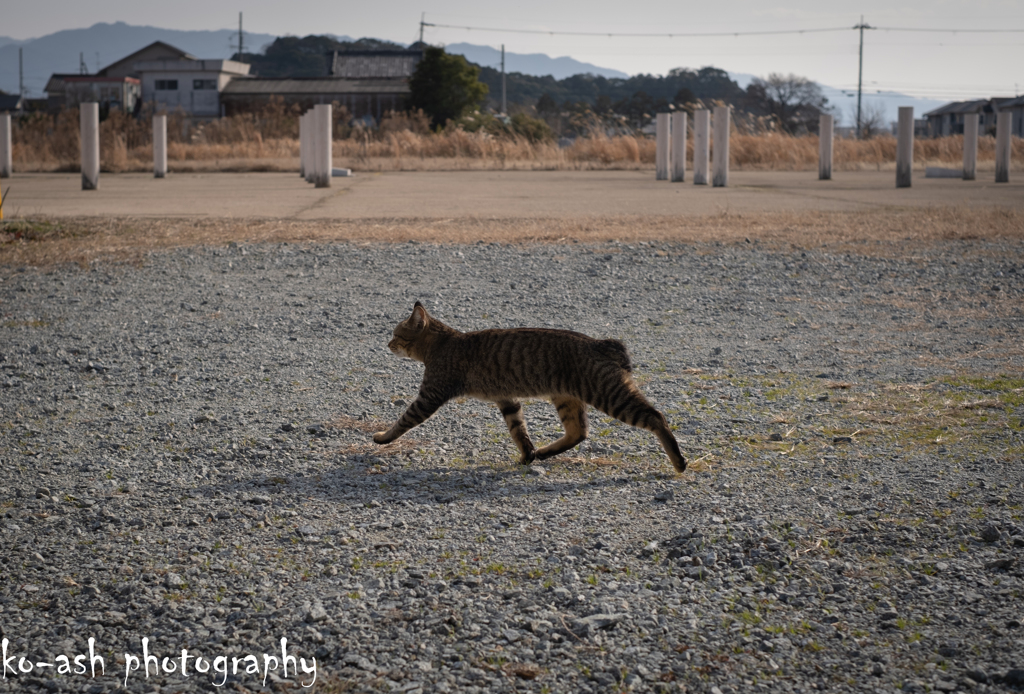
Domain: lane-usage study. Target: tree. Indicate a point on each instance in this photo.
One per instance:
(291, 56)
(445, 86)
(640, 108)
(546, 105)
(872, 120)
(793, 102)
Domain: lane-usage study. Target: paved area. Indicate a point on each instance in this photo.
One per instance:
(485, 194)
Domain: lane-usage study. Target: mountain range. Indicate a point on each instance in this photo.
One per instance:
(104, 43)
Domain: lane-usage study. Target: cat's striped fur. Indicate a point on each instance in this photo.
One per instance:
(502, 366)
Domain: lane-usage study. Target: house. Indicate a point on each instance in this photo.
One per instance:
(367, 83)
(69, 90)
(949, 119)
(11, 103)
(375, 65)
(1016, 107)
(115, 86)
(362, 98)
(190, 84)
(158, 74)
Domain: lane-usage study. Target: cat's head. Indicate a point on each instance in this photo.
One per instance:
(408, 334)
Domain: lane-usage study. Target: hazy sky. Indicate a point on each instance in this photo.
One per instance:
(939, 65)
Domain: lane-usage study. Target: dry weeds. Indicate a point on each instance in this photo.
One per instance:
(41, 242)
(267, 141)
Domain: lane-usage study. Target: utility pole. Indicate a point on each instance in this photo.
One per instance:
(240, 36)
(82, 69)
(21, 75)
(860, 70)
(504, 103)
(423, 16)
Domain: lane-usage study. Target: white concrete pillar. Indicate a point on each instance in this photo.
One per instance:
(661, 147)
(310, 144)
(826, 129)
(904, 146)
(5, 145)
(89, 121)
(677, 155)
(970, 146)
(720, 163)
(701, 146)
(323, 153)
(1003, 121)
(160, 146)
(302, 146)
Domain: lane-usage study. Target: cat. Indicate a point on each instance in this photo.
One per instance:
(501, 366)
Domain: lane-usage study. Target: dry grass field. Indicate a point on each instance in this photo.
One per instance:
(44, 242)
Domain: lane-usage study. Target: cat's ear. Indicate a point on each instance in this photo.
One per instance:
(419, 317)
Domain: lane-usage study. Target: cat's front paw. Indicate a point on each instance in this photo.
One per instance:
(381, 437)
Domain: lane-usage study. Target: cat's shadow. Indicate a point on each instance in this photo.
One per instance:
(353, 482)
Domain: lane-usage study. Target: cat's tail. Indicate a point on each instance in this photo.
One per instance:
(616, 352)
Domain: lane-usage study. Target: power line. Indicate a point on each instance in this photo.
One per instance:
(614, 34)
(954, 31)
(710, 34)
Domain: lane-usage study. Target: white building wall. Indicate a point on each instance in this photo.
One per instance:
(198, 84)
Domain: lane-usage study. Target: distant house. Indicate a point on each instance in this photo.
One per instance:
(362, 98)
(366, 83)
(375, 65)
(70, 90)
(949, 119)
(118, 85)
(158, 74)
(193, 85)
(1016, 107)
(11, 103)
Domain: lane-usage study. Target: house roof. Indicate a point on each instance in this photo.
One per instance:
(1013, 103)
(972, 106)
(158, 50)
(312, 86)
(232, 67)
(361, 65)
(10, 102)
(57, 81)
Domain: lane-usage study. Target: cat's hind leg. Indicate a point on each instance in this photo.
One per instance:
(627, 404)
(573, 413)
(512, 411)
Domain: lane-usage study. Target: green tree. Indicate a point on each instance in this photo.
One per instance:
(445, 86)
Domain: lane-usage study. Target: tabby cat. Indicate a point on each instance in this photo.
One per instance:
(501, 366)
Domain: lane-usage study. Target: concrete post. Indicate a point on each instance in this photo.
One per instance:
(302, 146)
(661, 147)
(677, 155)
(5, 145)
(825, 132)
(701, 146)
(720, 164)
(323, 120)
(1003, 121)
(89, 121)
(311, 139)
(970, 145)
(904, 146)
(159, 146)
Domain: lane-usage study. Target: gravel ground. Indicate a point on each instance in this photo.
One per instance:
(187, 459)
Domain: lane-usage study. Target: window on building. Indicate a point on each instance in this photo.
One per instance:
(168, 85)
(204, 84)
